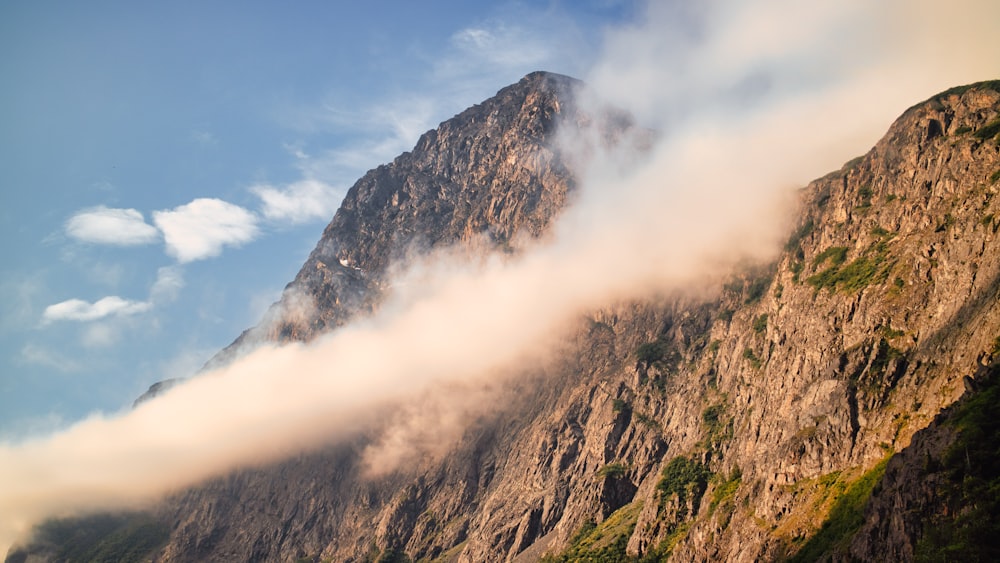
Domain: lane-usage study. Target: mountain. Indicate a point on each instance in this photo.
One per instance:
(838, 403)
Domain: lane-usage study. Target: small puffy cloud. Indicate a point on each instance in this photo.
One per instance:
(200, 229)
(300, 202)
(104, 225)
(80, 310)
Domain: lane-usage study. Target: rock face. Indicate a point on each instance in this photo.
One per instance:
(722, 429)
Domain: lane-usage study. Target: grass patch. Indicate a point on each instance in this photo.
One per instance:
(962, 130)
(605, 542)
(845, 517)
(760, 323)
(995, 176)
(835, 255)
(870, 268)
(724, 492)
(988, 131)
(749, 356)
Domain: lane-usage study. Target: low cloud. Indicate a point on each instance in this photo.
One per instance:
(80, 310)
(300, 202)
(118, 227)
(200, 229)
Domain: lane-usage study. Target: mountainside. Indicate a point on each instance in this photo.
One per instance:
(806, 411)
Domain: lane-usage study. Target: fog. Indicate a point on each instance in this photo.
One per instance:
(751, 101)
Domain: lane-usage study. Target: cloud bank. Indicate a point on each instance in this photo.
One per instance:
(744, 117)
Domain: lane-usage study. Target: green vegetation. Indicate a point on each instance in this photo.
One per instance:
(725, 315)
(967, 526)
(686, 478)
(718, 428)
(988, 131)
(103, 538)
(620, 405)
(756, 289)
(611, 471)
(643, 418)
(796, 268)
(995, 176)
(393, 555)
(865, 193)
(752, 358)
(871, 267)
(724, 492)
(959, 90)
(836, 255)
(889, 198)
(845, 517)
(760, 323)
(882, 233)
(962, 130)
(602, 543)
(795, 240)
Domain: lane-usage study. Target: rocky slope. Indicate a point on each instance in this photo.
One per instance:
(756, 425)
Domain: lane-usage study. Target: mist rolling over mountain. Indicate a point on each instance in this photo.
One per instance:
(604, 320)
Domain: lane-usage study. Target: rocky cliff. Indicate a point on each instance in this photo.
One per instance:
(783, 418)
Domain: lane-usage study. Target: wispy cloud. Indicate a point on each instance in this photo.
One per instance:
(299, 202)
(104, 225)
(80, 310)
(39, 356)
(169, 281)
(200, 229)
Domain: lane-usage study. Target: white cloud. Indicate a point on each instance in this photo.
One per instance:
(104, 225)
(200, 229)
(80, 310)
(300, 202)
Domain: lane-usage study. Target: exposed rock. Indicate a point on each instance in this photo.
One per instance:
(779, 395)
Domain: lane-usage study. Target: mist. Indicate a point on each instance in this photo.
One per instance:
(751, 100)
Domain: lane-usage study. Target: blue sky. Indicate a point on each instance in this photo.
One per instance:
(166, 168)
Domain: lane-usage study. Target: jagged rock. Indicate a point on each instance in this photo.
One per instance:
(787, 386)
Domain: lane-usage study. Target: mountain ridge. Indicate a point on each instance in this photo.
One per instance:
(702, 429)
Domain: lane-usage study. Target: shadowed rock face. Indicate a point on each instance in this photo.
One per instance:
(722, 429)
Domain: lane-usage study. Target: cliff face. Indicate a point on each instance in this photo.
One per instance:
(751, 426)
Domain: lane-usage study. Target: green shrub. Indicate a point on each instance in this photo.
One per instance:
(686, 478)
(611, 471)
(872, 267)
(836, 255)
(760, 323)
(995, 176)
(988, 131)
(752, 358)
(725, 491)
(962, 130)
